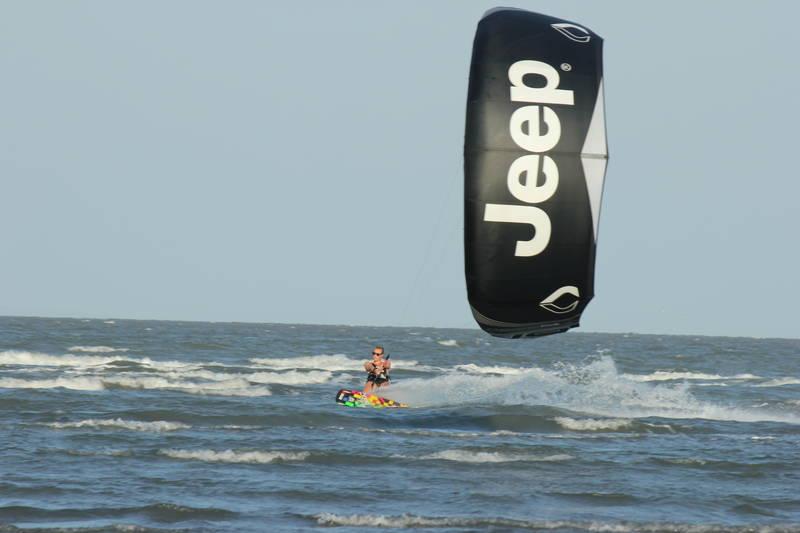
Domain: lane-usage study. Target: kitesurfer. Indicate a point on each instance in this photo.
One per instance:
(377, 370)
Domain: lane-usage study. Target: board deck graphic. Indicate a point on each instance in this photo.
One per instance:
(356, 398)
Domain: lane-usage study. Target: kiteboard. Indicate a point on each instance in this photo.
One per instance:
(357, 398)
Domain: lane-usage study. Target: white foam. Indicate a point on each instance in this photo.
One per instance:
(118, 423)
(101, 453)
(594, 388)
(229, 387)
(780, 382)
(426, 432)
(477, 523)
(292, 377)
(413, 522)
(14, 357)
(468, 456)
(168, 365)
(76, 383)
(665, 375)
(109, 322)
(96, 349)
(231, 456)
(591, 424)
(329, 363)
(448, 342)
(502, 370)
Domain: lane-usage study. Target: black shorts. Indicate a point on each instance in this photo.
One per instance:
(377, 380)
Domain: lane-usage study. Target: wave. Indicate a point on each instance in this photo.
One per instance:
(14, 357)
(104, 452)
(74, 383)
(448, 342)
(408, 521)
(780, 382)
(468, 456)
(118, 423)
(231, 456)
(329, 363)
(590, 424)
(594, 388)
(230, 387)
(503, 370)
(456, 434)
(162, 512)
(666, 375)
(291, 377)
(730, 467)
(96, 349)
(23, 358)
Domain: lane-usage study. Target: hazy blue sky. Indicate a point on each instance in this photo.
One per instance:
(302, 162)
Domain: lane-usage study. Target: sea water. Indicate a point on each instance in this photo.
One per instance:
(185, 426)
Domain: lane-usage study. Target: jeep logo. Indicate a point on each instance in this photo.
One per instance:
(524, 171)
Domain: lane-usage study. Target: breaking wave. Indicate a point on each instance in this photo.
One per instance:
(594, 388)
(117, 423)
(231, 456)
(231, 387)
(590, 424)
(96, 349)
(664, 375)
(291, 377)
(330, 363)
(468, 456)
(502, 370)
(780, 382)
(14, 357)
(408, 521)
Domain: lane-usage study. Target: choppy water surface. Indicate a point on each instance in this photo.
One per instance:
(156, 426)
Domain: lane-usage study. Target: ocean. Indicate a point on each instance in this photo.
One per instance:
(128, 425)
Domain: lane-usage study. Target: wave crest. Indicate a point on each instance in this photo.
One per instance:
(594, 388)
(232, 456)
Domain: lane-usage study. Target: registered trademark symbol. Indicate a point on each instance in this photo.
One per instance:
(566, 67)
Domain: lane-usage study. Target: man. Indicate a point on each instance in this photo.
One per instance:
(377, 371)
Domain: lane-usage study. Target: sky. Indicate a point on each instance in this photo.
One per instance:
(302, 162)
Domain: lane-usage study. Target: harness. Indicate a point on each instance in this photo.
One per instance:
(382, 375)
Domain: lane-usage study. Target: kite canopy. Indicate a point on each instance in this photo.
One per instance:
(535, 157)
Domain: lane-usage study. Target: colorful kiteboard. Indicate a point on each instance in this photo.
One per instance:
(356, 398)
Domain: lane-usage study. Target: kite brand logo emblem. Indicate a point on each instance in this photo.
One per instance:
(566, 304)
(525, 129)
(573, 32)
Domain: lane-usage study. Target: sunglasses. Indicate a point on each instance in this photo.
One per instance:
(376, 353)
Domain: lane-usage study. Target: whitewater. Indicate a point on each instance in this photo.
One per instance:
(122, 425)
